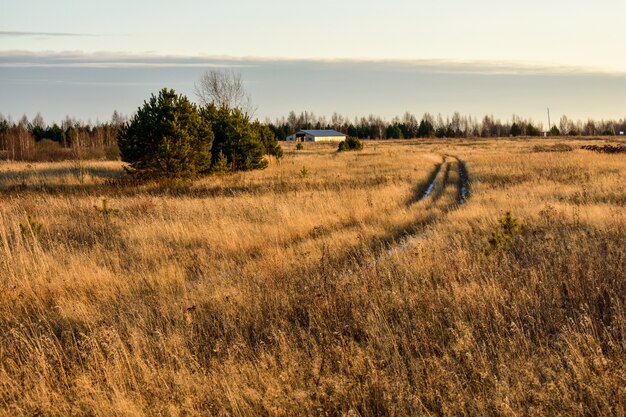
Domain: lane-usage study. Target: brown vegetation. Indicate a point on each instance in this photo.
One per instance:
(324, 285)
(605, 148)
(556, 147)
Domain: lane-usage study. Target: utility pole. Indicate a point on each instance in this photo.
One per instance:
(549, 126)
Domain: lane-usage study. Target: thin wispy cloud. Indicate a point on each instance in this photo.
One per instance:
(44, 34)
(79, 59)
(16, 59)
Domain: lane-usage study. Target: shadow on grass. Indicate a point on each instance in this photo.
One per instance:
(118, 183)
(33, 177)
(424, 189)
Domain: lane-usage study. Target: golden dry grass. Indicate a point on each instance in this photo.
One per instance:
(323, 285)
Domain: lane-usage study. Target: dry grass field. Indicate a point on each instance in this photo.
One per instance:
(329, 284)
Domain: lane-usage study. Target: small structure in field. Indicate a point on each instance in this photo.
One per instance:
(316, 136)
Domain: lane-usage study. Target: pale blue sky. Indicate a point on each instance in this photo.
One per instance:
(87, 58)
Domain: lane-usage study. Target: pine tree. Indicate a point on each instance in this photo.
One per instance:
(516, 130)
(425, 129)
(167, 138)
(221, 165)
(235, 138)
(269, 140)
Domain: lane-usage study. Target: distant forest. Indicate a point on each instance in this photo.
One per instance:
(35, 140)
(457, 126)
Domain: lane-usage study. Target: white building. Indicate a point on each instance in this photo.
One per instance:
(317, 136)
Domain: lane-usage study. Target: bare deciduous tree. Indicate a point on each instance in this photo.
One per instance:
(224, 88)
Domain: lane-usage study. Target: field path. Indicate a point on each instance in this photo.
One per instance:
(441, 180)
(441, 177)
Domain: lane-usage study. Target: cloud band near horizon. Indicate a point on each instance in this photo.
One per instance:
(69, 59)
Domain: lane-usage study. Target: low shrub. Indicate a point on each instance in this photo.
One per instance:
(106, 210)
(508, 228)
(31, 227)
(557, 147)
(350, 144)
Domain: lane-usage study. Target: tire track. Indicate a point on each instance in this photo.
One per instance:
(433, 178)
(464, 189)
(430, 198)
(446, 167)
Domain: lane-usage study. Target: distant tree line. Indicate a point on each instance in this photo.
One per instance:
(34, 140)
(37, 141)
(456, 126)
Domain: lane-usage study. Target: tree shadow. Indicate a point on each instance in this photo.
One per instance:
(78, 179)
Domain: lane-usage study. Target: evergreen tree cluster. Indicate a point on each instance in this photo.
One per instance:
(171, 137)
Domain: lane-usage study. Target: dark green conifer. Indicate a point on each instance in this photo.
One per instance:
(167, 138)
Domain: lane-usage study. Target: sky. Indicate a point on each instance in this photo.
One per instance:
(88, 58)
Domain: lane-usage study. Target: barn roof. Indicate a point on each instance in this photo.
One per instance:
(321, 133)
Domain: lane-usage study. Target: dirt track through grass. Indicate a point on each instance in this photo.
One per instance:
(440, 175)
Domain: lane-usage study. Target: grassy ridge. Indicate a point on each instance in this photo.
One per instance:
(266, 292)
